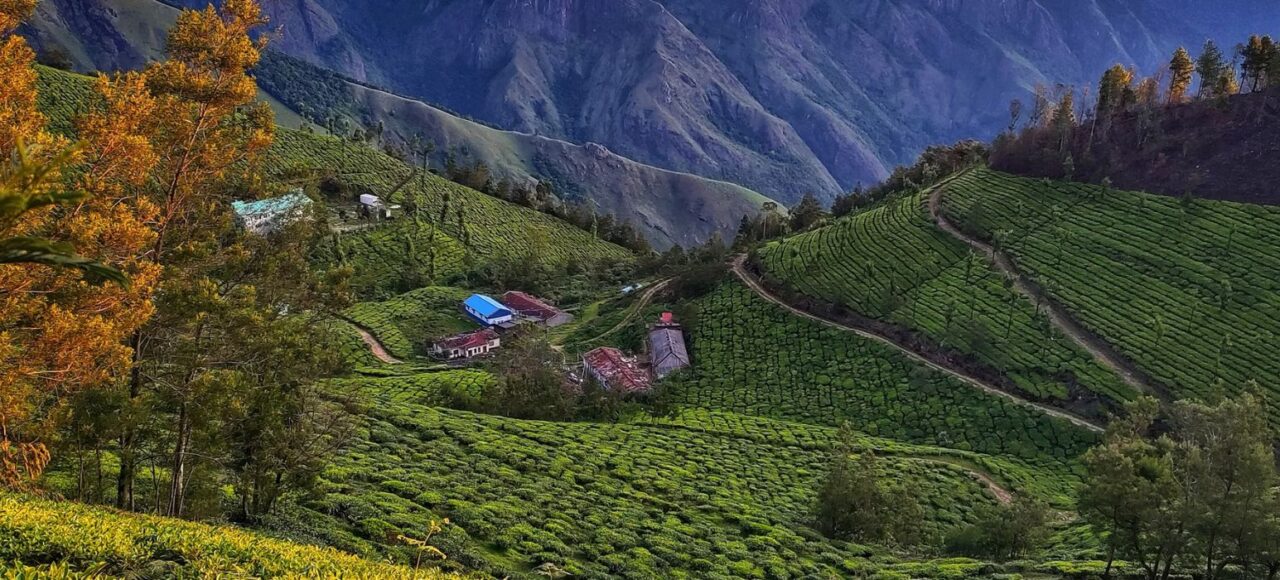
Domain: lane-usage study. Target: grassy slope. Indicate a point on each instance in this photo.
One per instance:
(1189, 292)
(673, 207)
(703, 495)
(52, 538)
(891, 263)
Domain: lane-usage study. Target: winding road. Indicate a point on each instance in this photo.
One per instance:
(1100, 349)
(739, 269)
(644, 300)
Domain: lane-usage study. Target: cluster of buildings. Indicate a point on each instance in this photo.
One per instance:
(513, 309)
(617, 371)
(611, 367)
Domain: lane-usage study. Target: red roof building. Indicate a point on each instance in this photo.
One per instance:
(467, 345)
(616, 371)
(536, 309)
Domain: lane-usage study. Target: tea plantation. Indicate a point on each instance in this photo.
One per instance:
(704, 494)
(42, 538)
(407, 323)
(1193, 310)
(407, 253)
(891, 263)
(755, 358)
(435, 244)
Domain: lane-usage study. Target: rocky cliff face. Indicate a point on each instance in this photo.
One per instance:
(783, 96)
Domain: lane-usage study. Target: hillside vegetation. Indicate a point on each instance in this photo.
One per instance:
(670, 207)
(755, 358)
(705, 495)
(1188, 290)
(893, 265)
(455, 230)
(53, 539)
(407, 253)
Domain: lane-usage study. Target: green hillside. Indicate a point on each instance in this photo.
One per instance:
(755, 358)
(892, 264)
(1186, 289)
(407, 253)
(433, 247)
(42, 538)
(705, 495)
(406, 324)
(671, 207)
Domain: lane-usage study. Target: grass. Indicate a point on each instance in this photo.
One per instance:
(46, 538)
(892, 264)
(1189, 291)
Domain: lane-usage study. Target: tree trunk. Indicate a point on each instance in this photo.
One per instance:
(97, 485)
(129, 436)
(177, 484)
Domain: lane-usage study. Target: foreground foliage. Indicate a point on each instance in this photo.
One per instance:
(39, 533)
(704, 495)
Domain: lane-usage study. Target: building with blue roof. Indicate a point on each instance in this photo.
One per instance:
(488, 311)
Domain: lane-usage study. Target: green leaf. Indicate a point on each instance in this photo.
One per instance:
(39, 251)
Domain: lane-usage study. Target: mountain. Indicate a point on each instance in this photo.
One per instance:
(671, 207)
(779, 96)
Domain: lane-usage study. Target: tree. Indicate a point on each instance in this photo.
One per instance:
(1181, 69)
(530, 384)
(1114, 91)
(855, 502)
(1130, 491)
(1004, 532)
(207, 133)
(1229, 471)
(1210, 66)
(806, 213)
(63, 333)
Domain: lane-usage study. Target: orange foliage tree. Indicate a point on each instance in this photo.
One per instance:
(62, 333)
(209, 134)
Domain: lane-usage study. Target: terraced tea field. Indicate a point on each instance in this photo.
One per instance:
(1193, 310)
(706, 495)
(892, 264)
(398, 256)
(408, 323)
(752, 357)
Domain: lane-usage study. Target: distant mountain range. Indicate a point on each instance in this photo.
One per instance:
(780, 96)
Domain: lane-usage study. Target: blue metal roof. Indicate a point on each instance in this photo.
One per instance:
(486, 306)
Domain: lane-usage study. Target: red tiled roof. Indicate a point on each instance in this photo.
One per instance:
(531, 306)
(616, 370)
(468, 340)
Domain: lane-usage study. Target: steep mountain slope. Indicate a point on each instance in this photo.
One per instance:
(670, 207)
(780, 96)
